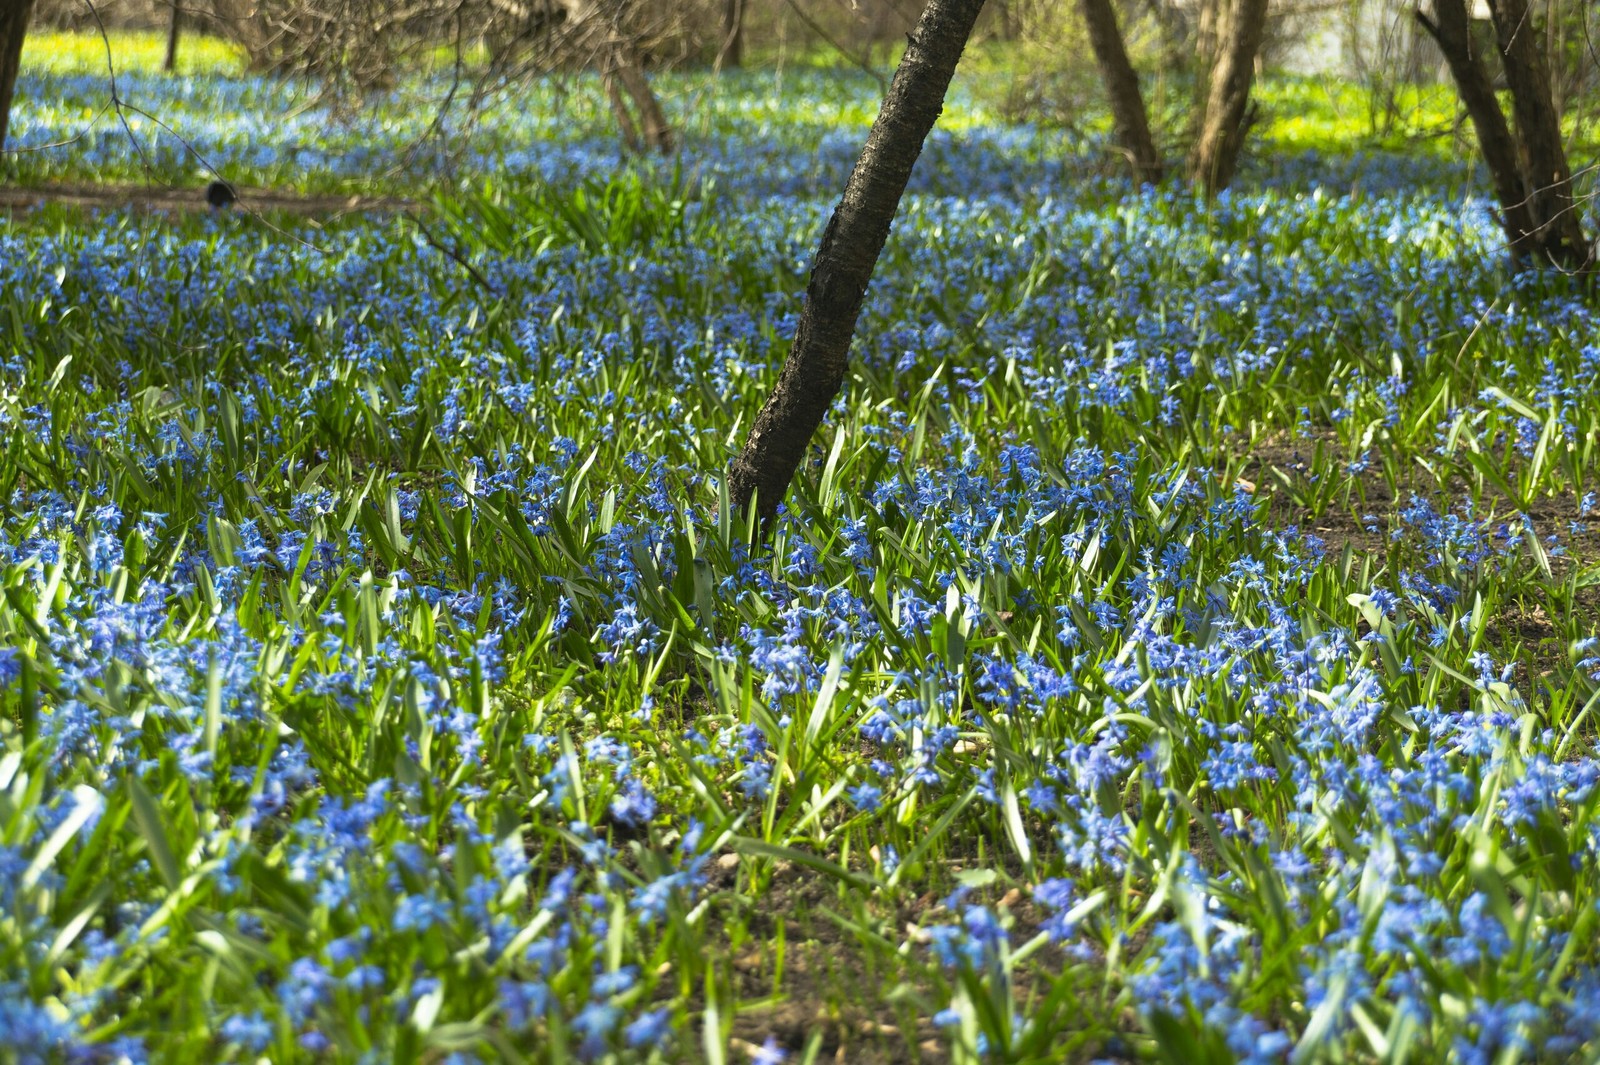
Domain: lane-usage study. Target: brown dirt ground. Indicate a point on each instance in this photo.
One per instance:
(1545, 653)
(163, 199)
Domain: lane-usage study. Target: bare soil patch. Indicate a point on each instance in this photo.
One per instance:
(165, 199)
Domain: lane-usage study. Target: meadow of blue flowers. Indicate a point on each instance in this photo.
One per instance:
(1182, 647)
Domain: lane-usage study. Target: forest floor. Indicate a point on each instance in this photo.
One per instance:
(1181, 647)
(174, 199)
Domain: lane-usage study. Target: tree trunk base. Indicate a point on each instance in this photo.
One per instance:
(14, 17)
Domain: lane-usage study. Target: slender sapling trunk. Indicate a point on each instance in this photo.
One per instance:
(1527, 162)
(814, 370)
(731, 54)
(170, 63)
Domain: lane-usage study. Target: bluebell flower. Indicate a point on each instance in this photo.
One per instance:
(649, 1030)
(866, 796)
(633, 806)
(615, 983)
(250, 1031)
(769, 1053)
(595, 1023)
(523, 1002)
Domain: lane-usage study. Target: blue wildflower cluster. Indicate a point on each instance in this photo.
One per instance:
(1181, 642)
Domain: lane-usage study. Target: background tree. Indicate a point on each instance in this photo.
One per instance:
(600, 33)
(14, 16)
(847, 255)
(1122, 90)
(1221, 41)
(1227, 113)
(731, 54)
(353, 46)
(170, 62)
(1527, 161)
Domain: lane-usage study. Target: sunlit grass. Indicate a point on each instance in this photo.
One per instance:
(130, 52)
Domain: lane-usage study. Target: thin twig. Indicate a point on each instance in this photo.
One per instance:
(444, 249)
(814, 27)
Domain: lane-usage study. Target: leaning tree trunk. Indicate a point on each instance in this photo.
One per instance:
(1532, 181)
(1544, 159)
(14, 15)
(1122, 91)
(639, 116)
(814, 371)
(1227, 115)
(1208, 33)
(1010, 23)
(1451, 30)
(241, 22)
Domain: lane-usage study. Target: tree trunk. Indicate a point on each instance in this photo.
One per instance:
(644, 127)
(170, 63)
(14, 15)
(1531, 177)
(1010, 24)
(1451, 29)
(639, 116)
(1208, 33)
(1549, 179)
(242, 23)
(732, 52)
(1227, 115)
(845, 259)
(1122, 90)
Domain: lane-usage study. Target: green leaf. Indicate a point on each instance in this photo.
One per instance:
(762, 849)
(147, 815)
(86, 803)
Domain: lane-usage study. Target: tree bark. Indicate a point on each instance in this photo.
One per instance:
(814, 371)
(14, 15)
(731, 53)
(1208, 33)
(645, 126)
(1451, 30)
(170, 63)
(1227, 115)
(1544, 158)
(1122, 90)
(1010, 24)
(243, 24)
(1532, 180)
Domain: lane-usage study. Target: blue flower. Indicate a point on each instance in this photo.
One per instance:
(251, 1031)
(866, 796)
(633, 805)
(769, 1053)
(649, 1029)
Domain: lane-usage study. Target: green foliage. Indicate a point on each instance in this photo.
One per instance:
(627, 210)
(1179, 647)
